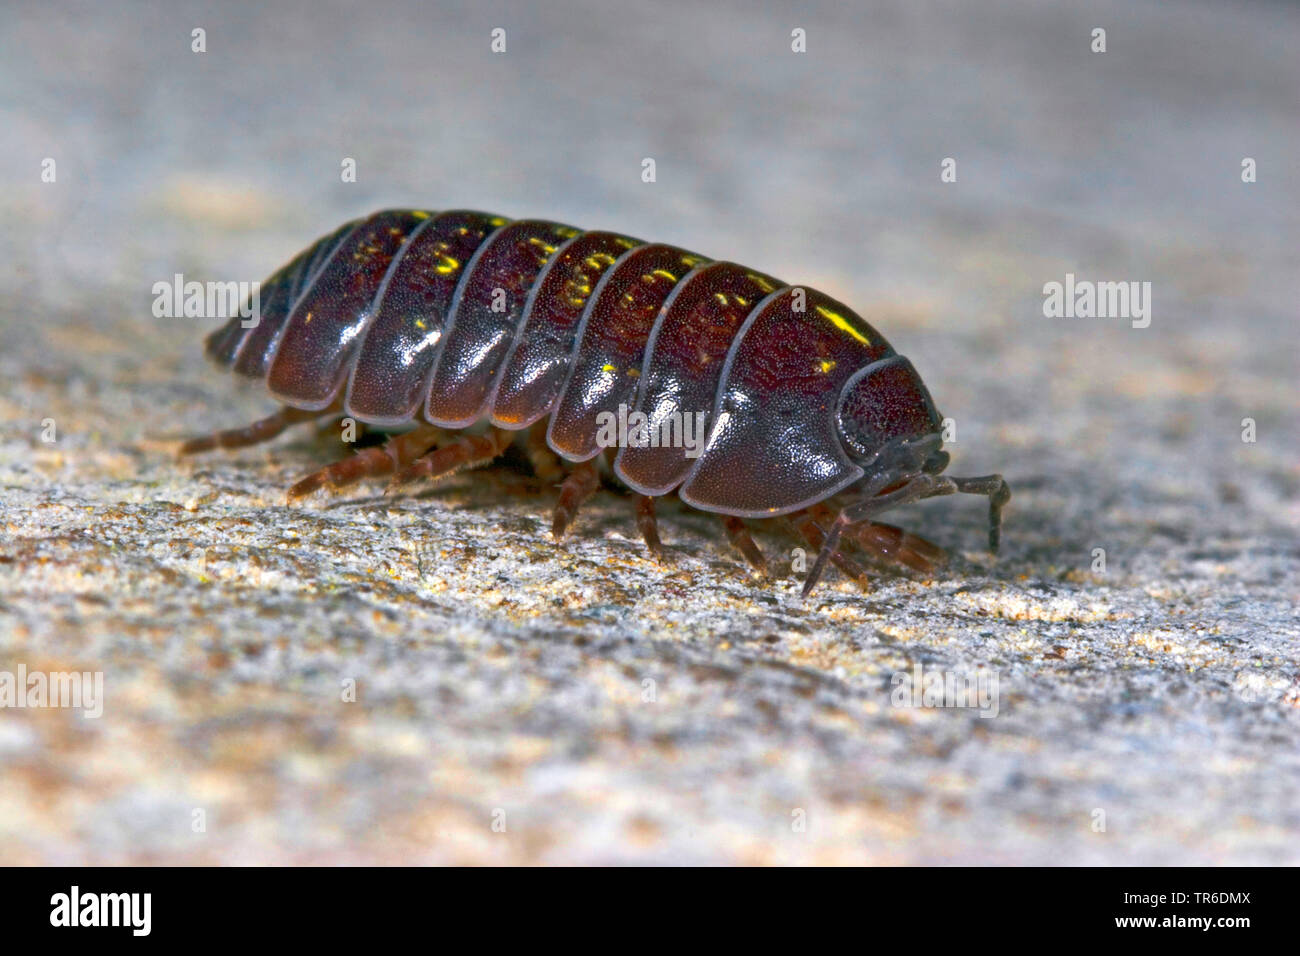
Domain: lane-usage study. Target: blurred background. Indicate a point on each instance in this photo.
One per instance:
(1162, 688)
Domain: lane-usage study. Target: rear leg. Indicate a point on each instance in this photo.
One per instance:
(463, 451)
(580, 485)
(397, 452)
(254, 434)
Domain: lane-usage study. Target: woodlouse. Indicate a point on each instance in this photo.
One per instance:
(476, 330)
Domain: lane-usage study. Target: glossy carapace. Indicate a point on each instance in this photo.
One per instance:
(741, 394)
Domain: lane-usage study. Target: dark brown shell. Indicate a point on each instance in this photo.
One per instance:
(459, 317)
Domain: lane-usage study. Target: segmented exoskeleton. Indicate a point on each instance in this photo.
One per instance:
(476, 330)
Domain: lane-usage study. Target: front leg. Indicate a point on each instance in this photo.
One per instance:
(914, 489)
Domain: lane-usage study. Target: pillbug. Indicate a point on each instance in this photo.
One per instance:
(471, 331)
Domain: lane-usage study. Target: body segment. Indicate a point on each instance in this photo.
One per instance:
(391, 375)
(249, 351)
(326, 325)
(537, 362)
(685, 355)
(606, 364)
(485, 316)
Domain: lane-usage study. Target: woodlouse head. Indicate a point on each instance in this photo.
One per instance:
(884, 404)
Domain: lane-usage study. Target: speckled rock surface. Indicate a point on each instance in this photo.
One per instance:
(517, 702)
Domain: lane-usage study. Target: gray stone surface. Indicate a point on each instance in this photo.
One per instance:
(497, 673)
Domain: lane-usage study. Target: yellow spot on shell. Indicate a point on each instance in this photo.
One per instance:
(664, 274)
(576, 292)
(608, 368)
(446, 265)
(421, 324)
(307, 320)
(826, 366)
(760, 282)
(842, 324)
(420, 214)
(497, 221)
(721, 297)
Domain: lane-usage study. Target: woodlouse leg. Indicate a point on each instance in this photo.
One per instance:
(894, 545)
(740, 538)
(254, 434)
(999, 494)
(807, 527)
(580, 485)
(648, 526)
(465, 451)
(886, 543)
(398, 451)
(920, 486)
